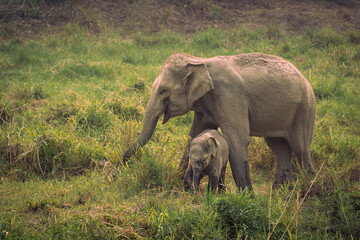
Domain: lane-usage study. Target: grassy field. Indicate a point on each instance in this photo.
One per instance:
(71, 103)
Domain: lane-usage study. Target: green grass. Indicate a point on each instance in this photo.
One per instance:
(71, 103)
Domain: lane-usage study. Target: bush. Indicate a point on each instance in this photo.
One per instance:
(165, 38)
(323, 38)
(85, 70)
(151, 172)
(353, 36)
(274, 32)
(342, 214)
(209, 39)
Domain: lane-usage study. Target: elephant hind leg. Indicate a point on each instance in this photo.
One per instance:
(300, 136)
(305, 159)
(282, 151)
(303, 155)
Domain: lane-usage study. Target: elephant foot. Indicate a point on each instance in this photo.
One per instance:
(282, 179)
(187, 185)
(222, 188)
(310, 171)
(277, 184)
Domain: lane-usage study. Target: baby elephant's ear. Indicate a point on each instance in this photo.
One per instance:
(213, 143)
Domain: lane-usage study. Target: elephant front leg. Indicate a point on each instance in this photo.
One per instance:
(239, 161)
(213, 183)
(221, 184)
(241, 171)
(188, 178)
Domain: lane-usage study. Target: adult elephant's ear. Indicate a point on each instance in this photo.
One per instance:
(197, 82)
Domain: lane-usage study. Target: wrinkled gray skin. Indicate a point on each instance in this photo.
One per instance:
(208, 155)
(245, 95)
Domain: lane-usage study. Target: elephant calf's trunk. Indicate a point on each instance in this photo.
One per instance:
(196, 180)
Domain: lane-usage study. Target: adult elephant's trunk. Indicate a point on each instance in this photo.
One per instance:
(149, 125)
(154, 110)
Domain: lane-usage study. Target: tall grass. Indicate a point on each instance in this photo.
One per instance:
(71, 103)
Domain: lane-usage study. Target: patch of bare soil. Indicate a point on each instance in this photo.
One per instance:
(27, 19)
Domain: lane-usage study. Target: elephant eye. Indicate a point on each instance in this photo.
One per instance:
(163, 91)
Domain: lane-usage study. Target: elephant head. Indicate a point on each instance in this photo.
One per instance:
(182, 81)
(201, 152)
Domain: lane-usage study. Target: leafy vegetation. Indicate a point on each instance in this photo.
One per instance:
(71, 103)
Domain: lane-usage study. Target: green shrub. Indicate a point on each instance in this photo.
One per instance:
(209, 39)
(274, 32)
(127, 112)
(95, 117)
(183, 222)
(85, 70)
(151, 172)
(353, 36)
(323, 38)
(164, 39)
(342, 214)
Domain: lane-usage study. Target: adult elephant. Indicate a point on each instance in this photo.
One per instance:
(245, 95)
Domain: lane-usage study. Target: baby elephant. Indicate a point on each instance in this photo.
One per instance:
(208, 154)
